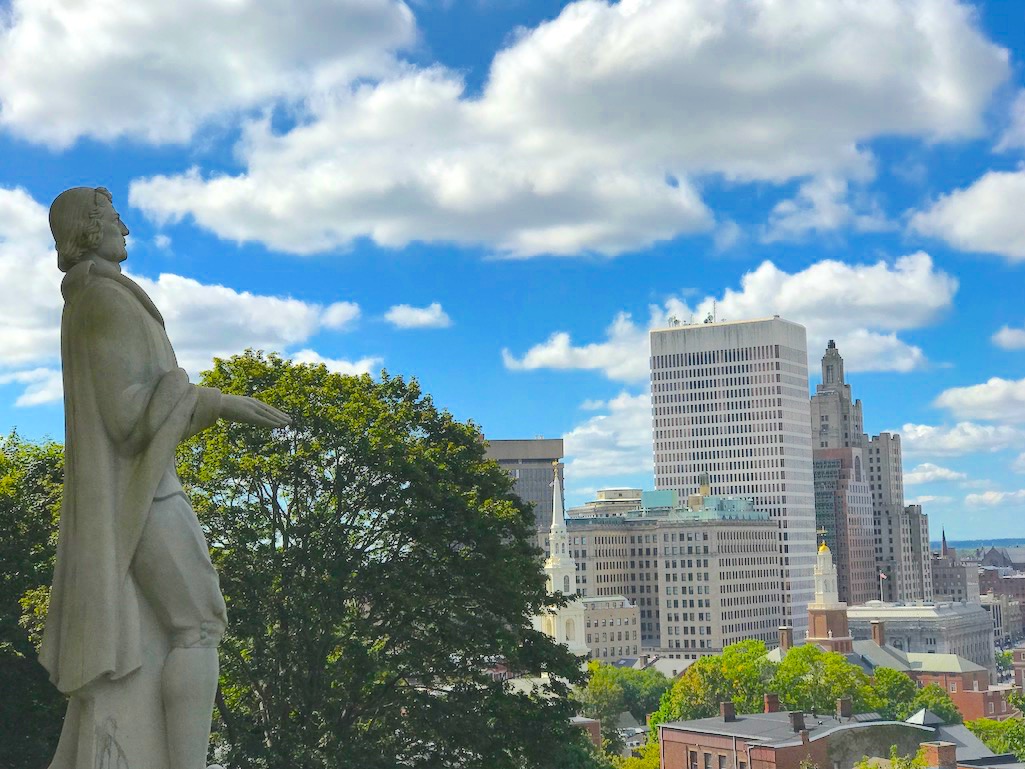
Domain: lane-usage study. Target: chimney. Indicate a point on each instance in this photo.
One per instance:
(644, 660)
(940, 754)
(771, 702)
(844, 708)
(796, 721)
(728, 710)
(786, 638)
(879, 632)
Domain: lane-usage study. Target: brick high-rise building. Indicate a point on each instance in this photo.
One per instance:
(730, 399)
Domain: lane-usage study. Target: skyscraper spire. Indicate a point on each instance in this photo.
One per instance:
(943, 548)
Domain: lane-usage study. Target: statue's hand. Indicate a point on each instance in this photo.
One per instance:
(241, 408)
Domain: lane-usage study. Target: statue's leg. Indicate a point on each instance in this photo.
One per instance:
(173, 569)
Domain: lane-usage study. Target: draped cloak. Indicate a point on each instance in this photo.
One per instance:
(127, 405)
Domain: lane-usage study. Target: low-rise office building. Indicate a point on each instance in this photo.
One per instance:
(612, 627)
(964, 629)
(704, 573)
(952, 579)
(1007, 618)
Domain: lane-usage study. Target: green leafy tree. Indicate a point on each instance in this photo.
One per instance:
(897, 760)
(644, 690)
(1005, 661)
(31, 480)
(604, 698)
(894, 692)
(934, 698)
(610, 691)
(1006, 736)
(741, 674)
(374, 563)
(647, 758)
(813, 680)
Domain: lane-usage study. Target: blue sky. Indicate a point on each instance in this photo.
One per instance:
(500, 198)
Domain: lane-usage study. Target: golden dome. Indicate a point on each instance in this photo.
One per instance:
(823, 548)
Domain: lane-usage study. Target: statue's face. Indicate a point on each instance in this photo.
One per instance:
(112, 235)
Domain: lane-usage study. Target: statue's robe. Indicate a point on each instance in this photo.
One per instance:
(127, 406)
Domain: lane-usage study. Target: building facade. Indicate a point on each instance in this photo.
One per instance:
(703, 574)
(565, 624)
(612, 627)
(608, 502)
(731, 400)
(529, 462)
(944, 628)
(954, 580)
(1007, 618)
(836, 418)
(843, 514)
(916, 556)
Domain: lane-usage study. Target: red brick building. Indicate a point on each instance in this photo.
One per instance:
(779, 740)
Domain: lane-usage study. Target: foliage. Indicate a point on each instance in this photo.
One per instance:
(1017, 701)
(604, 698)
(1005, 661)
(580, 753)
(894, 693)
(648, 758)
(1006, 736)
(897, 761)
(31, 480)
(741, 674)
(374, 563)
(812, 680)
(610, 691)
(936, 699)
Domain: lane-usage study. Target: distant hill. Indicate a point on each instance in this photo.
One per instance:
(971, 544)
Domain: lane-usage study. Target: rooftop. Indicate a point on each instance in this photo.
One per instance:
(775, 728)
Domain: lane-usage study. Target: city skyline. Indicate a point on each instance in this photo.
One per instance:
(528, 188)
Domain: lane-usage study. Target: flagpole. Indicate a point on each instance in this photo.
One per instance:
(880, 585)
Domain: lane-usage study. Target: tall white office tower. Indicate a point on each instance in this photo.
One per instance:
(731, 399)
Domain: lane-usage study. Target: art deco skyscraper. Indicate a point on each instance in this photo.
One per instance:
(731, 400)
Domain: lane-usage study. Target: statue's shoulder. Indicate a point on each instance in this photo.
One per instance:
(89, 282)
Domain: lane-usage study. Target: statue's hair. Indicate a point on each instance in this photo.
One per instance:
(75, 223)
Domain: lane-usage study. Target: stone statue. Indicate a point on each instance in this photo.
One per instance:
(136, 612)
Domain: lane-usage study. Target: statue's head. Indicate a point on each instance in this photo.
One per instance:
(84, 223)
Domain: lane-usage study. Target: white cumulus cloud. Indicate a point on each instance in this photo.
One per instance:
(156, 71)
(958, 440)
(997, 498)
(614, 443)
(860, 295)
(929, 473)
(822, 205)
(203, 320)
(1010, 338)
(982, 217)
(1014, 135)
(368, 365)
(340, 315)
(999, 400)
(407, 316)
(591, 126)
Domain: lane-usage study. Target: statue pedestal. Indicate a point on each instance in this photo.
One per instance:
(120, 724)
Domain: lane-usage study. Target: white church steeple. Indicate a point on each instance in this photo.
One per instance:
(567, 623)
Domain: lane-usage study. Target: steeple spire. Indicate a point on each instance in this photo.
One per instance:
(558, 508)
(943, 549)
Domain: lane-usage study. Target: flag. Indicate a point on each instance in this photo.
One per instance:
(882, 576)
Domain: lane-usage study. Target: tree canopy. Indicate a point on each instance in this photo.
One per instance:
(1006, 736)
(31, 478)
(610, 691)
(374, 564)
